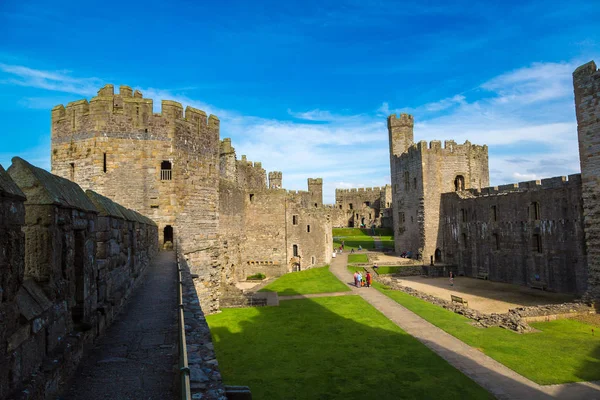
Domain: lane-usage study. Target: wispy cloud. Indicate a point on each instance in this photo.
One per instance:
(525, 116)
(59, 81)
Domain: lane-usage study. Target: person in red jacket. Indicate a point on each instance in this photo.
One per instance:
(369, 279)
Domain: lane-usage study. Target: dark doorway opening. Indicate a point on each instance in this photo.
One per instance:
(168, 234)
(438, 255)
(459, 183)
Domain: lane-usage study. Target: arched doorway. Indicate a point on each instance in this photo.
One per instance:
(438, 255)
(168, 234)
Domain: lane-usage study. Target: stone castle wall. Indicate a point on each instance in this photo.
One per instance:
(530, 233)
(368, 206)
(69, 261)
(586, 82)
(420, 174)
(172, 167)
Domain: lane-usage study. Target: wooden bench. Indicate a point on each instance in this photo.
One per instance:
(459, 300)
(482, 275)
(538, 285)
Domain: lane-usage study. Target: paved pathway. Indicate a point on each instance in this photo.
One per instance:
(135, 358)
(501, 381)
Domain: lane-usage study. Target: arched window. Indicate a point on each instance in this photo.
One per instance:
(165, 171)
(438, 255)
(459, 183)
(295, 250)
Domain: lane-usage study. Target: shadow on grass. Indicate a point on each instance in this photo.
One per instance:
(336, 348)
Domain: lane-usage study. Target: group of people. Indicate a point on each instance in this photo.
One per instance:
(360, 280)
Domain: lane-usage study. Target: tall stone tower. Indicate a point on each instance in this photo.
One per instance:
(275, 179)
(315, 188)
(419, 175)
(165, 166)
(586, 82)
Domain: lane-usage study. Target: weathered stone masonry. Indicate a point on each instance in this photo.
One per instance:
(172, 167)
(68, 262)
(368, 206)
(586, 82)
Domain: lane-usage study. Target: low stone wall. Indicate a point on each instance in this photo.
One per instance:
(71, 264)
(205, 378)
(515, 319)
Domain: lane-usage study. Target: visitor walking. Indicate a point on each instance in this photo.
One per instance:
(369, 279)
(359, 278)
(355, 278)
(451, 279)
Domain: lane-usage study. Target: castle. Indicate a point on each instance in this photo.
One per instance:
(173, 168)
(540, 233)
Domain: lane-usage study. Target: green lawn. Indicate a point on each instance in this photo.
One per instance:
(358, 258)
(330, 348)
(314, 280)
(563, 351)
(354, 237)
(391, 270)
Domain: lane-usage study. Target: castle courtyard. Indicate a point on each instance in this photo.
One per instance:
(483, 295)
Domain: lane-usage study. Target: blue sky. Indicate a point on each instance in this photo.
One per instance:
(305, 86)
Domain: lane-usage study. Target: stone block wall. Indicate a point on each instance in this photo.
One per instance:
(421, 172)
(55, 297)
(530, 233)
(586, 82)
(368, 206)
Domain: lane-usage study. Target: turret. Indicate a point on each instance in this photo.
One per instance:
(275, 178)
(400, 133)
(315, 187)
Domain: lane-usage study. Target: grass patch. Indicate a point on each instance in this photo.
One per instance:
(358, 258)
(330, 348)
(354, 269)
(563, 351)
(353, 242)
(354, 237)
(314, 280)
(256, 277)
(391, 270)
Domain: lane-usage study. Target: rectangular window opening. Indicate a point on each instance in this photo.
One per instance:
(308, 228)
(72, 173)
(251, 197)
(294, 219)
(104, 163)
(536, 243)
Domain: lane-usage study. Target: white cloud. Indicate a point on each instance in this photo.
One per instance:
(526, 117)
(60, 81)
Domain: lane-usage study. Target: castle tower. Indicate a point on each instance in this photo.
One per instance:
(419, 175)
(586, 83)
(315, 188)
(400, 132)
(164, 165)
(275, 178)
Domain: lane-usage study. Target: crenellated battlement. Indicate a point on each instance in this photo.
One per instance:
(450, 148)
(573, 180)
(376, 190)
(403, 120)
(126, 111)
(315, 181)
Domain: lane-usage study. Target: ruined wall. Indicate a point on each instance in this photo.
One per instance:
(310, 232)
(586, 82)
(12, 268)
(251, 175)
(530, 233)
(56, 310)
(420, 174)
(363, 206)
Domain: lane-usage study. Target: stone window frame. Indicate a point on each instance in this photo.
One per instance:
(104, 162)
(308, 228)
(166, 170)
(534, 211)
(459, 183)
(494, 212)
(295, 219)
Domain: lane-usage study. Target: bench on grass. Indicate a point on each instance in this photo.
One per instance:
(483, 275)
(459, 300)
(538, 285)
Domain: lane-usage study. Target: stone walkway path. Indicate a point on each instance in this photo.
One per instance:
(499, 380)
(135, 358)
(377, 243)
